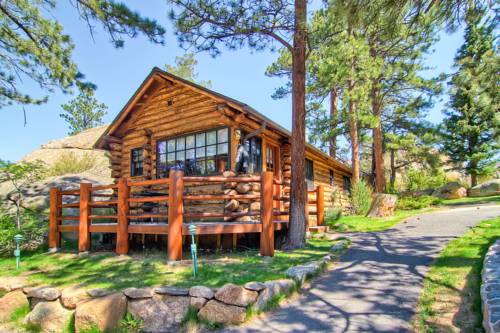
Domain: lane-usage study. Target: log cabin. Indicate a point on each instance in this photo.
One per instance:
(170, 125)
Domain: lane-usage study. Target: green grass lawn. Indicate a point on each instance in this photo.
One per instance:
(450, 299)
(106, 270)
(469, 201)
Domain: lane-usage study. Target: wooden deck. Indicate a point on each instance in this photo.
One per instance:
(268, 219)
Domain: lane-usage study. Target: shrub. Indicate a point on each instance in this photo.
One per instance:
(424, 201)
(69, 162)
(361, 197)
(332, 215)
(33, 229)
(423, 179)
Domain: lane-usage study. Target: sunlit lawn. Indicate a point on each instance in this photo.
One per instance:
(450, 300)
(471, 200)
(106, 270)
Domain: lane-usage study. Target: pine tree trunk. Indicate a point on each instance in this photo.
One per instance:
(297, 224)
(378, 149)
(353, 131)
(333, 123)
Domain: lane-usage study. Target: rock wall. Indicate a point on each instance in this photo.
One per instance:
(490, 289)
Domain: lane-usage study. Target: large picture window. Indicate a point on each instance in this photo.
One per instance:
(196, 154)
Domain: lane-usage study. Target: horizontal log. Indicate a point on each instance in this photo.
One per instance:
(103, 203)
(149, 199)
(221, 179)
(221, 197)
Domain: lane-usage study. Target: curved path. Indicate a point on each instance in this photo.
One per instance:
(376, 284)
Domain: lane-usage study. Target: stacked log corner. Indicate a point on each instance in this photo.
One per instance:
(266, 206)
(54, 218)
(175, 215)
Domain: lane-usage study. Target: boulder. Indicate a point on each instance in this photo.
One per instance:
(172, 291)
(235, 295)
(275, 287)
(11, 283)
(243, 188)
(490, 187)
(225, 314)
(201, 291)
(73, 295)
(382, 205)
(197, 302)
(162, 313)
(99, 292)
(49, 317)
(10, 302)
(136, 293)
(42, 294)
(232, 205)
(255, 286)
(301, 272)
(104, 313)
(452, 190)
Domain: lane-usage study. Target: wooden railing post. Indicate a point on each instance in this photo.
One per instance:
(175, 214)
(54, 221)
(320, 205)
(84, 227)
(266, 214)
(122, 245)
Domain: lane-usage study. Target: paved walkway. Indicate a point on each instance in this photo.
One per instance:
(376, 285)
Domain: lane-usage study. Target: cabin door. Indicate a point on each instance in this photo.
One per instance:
(273, 164)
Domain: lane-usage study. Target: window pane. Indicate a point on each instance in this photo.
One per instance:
(211, 150)
(171, 157)
(189, 154)
(180, 143)
(162, 147)
(200, 152)
(171, 145)
(222, 135)
(222, 163)
(210, 166)
(181, 155)
(211, 138)
(222, 148)
(200, 140)
(200, 167)
(162, 158)
(190, 141)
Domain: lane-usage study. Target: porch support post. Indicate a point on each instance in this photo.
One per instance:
(54, 215)
(266, 214)
(122, 245)
(320, 205)
(175, 214)
(84, 227)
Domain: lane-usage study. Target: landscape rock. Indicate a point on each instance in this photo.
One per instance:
(301, 272)
(11, 283)
(104, 312)
(162, 313)
(382, 205)
(255, 286)
(490, 187)
(99, 292)
(201, 291)
(49, 316)
(42, 294)
(10, 302)
(452, 190)
(235, 295)
(172, 291)
(275, 287)
(225, 314)
(73, 295)
(197, 302)
(243, 188)
(137, 293)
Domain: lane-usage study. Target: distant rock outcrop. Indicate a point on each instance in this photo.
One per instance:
(452, 190)
(490, 187)
(79, 146)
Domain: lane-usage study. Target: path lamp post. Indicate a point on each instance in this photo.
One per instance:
(192, 232)
(17, 252)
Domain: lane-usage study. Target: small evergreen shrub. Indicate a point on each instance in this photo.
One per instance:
(69, 162)
(361, 197)
(418, 180)
(424, 201)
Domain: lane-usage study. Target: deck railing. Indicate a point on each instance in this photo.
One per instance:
(119, 198)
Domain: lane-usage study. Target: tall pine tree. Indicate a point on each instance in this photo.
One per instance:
(469, 135)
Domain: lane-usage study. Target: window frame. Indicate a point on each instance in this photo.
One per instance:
(133, 172)
(195, 134)
(346, 179)
(332, 177)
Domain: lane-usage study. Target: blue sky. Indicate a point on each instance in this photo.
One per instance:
(118, 73)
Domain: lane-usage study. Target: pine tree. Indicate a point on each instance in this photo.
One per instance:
(83, 112)
(470, 128)
(185, 68)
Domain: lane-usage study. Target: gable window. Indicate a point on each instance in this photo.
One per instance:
(332, 178)
(309, 168)
(136, 162)
(347, 184)
(201, 153)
